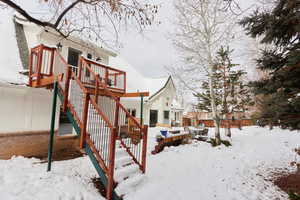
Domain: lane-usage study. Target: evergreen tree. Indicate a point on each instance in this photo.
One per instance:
(232, 94)
(280, 28)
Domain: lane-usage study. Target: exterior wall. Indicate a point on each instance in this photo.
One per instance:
(35, 145)
(51, 39)
(162, 102)
(35, 36)
(25, 109)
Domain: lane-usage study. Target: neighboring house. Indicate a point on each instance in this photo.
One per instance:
(161, 107)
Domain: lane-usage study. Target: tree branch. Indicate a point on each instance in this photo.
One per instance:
(65, 12)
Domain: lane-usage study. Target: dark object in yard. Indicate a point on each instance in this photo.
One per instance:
(198, 133)
(100, 187)
(171, 141)
(213, 142)
(293, 196)
(289, 183)
(174, 131)
(159, 138)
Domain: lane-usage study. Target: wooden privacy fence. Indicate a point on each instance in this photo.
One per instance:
(224, 123)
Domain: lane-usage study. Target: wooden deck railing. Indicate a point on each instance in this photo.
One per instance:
(109, 77)
(100, 118)
(134, 139)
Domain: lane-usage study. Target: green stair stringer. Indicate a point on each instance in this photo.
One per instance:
(99, 170)
(87, 149)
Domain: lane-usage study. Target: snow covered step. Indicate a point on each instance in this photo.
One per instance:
(122, 161)
(121, 152)
(129, 184)
(128, 171)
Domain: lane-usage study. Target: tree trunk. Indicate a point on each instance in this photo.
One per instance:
(217, 132)
(228, 131)
(216, 117)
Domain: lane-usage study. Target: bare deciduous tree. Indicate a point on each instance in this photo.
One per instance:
(97, 19)
(202, 27)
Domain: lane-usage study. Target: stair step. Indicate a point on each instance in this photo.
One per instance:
(123, 161)
(129, 184)
(128, 171)
(121, 152)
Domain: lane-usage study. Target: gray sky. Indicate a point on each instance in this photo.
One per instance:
(151, 51)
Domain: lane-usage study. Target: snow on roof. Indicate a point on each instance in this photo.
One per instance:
(135, 80)
(10, 62)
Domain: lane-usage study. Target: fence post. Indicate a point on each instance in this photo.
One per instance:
(112, 148)
(144, 150)
(84, 120)
(52, 126)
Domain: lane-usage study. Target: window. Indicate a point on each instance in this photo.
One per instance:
(166, 114)
(132, 111)
(73, 56)
(87, 72)
(89, 56)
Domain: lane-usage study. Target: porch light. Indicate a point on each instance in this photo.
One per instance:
(59, 46)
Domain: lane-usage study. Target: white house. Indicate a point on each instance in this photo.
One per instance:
(27, 110)
(161, 107)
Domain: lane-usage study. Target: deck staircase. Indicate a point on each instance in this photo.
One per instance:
(90, 94)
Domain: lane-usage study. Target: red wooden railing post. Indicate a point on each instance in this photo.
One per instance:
(39, 65)
(106, 78)
(52, 61)
(80, 68)
(112, 149)
(144, 150)
(30, 67)
(84, 120)
(67, 86)
(124, 81)
(97, 79)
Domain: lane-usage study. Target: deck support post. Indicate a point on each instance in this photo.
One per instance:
(142, 108)
(52, 126)
(144, 148)
(84, 120)
(112, 152)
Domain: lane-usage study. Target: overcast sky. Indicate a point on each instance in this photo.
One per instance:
(151, 51)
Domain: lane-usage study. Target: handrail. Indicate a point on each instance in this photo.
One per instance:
(97, 128)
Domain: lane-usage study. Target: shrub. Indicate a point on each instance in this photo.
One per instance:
(213, 142)
(293, 196)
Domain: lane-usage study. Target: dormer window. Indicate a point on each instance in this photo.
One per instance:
(89, 56)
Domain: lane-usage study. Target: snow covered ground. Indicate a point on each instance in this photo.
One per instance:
(194, 171)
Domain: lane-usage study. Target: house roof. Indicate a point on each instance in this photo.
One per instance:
(10, 62)
(136, 82)
(21, 20)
